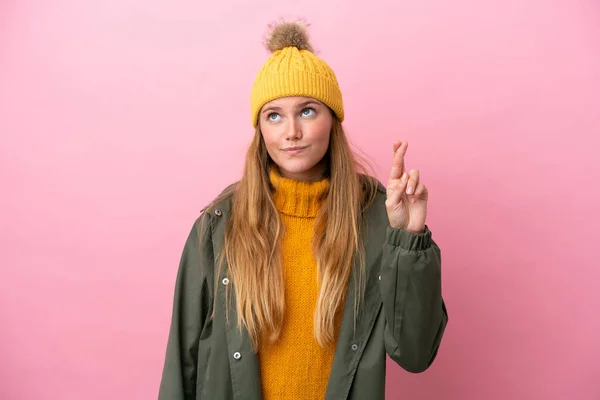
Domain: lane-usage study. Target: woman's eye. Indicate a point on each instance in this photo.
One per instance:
(274, 117)
(308, 112)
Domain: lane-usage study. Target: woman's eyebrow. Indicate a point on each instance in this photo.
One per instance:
(271, 108)
(298, 106)
(304, 104)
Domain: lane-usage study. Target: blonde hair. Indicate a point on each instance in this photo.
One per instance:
(255, 230)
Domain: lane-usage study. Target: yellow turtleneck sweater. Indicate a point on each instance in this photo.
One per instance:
(296, 366)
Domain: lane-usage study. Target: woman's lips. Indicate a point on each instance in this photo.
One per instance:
(294, 150)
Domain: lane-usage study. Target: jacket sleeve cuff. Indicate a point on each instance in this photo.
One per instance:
(408, 240)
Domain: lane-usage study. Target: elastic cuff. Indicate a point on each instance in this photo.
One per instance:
(408, 240)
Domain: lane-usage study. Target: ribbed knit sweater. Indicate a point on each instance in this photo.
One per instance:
(296, 367)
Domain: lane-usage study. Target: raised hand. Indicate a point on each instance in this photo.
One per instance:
(406, 201)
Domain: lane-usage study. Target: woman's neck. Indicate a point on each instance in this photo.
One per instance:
(298, 198)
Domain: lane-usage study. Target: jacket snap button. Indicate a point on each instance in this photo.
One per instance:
(354, 347)
(218, 212)
(379, 277)
(225, 281)
(237, 355)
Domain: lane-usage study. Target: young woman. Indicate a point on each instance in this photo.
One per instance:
(298, 280)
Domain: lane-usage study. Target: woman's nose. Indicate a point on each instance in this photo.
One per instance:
(293, 131)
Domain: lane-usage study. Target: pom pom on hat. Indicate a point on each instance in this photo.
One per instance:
(288, 34)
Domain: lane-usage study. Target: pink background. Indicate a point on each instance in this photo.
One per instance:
(120, 119)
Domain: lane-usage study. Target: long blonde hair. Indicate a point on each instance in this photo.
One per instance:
(255, 230)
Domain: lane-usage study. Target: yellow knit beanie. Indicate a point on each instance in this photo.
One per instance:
(294, 70)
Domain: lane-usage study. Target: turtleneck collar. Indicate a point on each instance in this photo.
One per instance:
(298, 198)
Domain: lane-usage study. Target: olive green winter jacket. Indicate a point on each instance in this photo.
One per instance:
(403, 315)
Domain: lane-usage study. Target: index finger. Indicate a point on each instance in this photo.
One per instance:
(398, 161)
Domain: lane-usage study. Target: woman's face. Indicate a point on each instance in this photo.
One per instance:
(296, 132)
